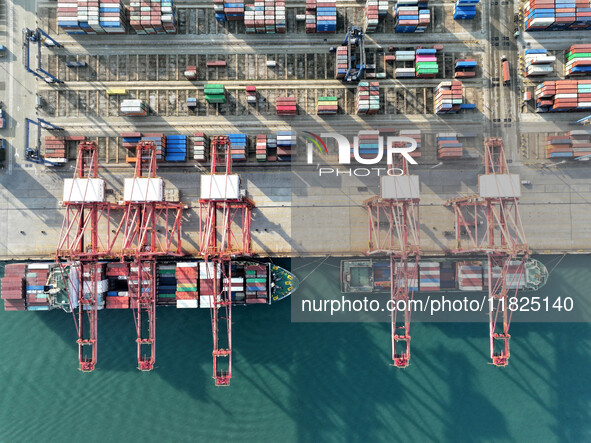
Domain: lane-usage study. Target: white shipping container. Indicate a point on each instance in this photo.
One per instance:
(143, 189)
(187, 304)
(84, 190)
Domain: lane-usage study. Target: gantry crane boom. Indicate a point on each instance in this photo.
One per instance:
(501, 238)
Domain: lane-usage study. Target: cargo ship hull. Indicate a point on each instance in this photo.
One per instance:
(44, 286)
(440, 275)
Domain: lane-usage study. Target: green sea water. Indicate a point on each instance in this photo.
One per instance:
(298, 382)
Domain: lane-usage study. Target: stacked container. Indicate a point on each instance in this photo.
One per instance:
(167, 285)
(251, 95)
(118, 293)
(91, 16)
(368, 144)
(342, 61)
(465, 68)
(469, 277)
(537, 62)
(426, 63)
(232, 11)
(286, 145)
(286, 106)
(56, 148)
(261, 148)
(215, 93)
(238, 147)
(218, 7)
(192, 103)
(581, 142)
(557, 15)
(327, 105)
(13, 287)
(191, 73)
(200, 147)
(448, 146)
(176, 148)
(256, 283)
(577, 60)
(411, 16)
(209, 281)
(465, 9)
(429, 276)
(310, 16)
(35, 280)
(448, 97)
(371, 20)
(326, 16)
(559, 146)
(447, 275)
(94, 281)
(563, 95)
(186, 276)
(159, 141)
(265, 16)
(272, 148)
(367, 98)
(153, 17)
(415, 134)
(133, 108)
(413, 283)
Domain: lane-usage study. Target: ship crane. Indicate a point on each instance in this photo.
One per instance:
(221, 238)
(85, 238)
(151, 228)
(489, 223)
(397, 208)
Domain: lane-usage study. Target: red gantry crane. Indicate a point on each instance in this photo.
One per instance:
(85, 238)
(489, 223)
(151, 228)
(397, 208)
(224, 232)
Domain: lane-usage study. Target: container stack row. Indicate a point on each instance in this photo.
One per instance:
(231, 11)
(563, 95)
(367, 98)
(56, 148)
(429, 276)
(426, 63)
(578, 60)
(176, 148)
(200, 147)
(35, 280)
(286, 106)
(191, 72)
(405, 56)
(215, 93)
(91, 16)
(465, 9)
(465, 68)
(538, 62)
(469, 277)
(118, 291)
(326, 16)
(369, 144)
(415, 134)
(166, 284)
(557, 15)
(286, 145)
(187, 291)
(256, 283)
(448, 97)
(238, 147)
(134, 108)
(342, 63)
(261, 148)
(374, 10)
(328, 105)
(251, 95)
(265, 17)
(153, 17)
(209, 284)
(411, 15)
(310, 16)
(94, 281)
(573, 144)
(13, 287)
(448, 146)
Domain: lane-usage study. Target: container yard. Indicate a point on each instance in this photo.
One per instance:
(164, 154)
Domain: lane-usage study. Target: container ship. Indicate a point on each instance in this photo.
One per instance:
(440, 275)
(44, 286)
